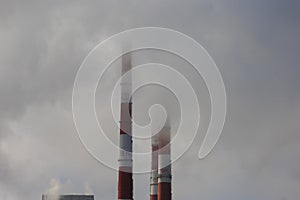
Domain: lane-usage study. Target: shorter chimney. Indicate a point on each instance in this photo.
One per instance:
(164, 164)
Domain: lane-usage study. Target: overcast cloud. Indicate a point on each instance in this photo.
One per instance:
(255, 44)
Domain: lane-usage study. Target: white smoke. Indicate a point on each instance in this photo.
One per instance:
(54, 191)
(87, 189)
(57, 188)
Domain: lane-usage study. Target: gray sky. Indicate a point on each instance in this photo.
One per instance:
(255, 45)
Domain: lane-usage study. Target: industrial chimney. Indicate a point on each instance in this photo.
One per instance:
(125, 182)
(154, 168)
(164, 164)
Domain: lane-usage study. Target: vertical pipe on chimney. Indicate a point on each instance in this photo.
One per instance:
(164, 164)
(125, 182)
(154, 168)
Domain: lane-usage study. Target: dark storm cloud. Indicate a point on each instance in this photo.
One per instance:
(254, 43)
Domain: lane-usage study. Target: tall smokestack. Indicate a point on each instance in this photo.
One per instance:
(154, 168)
(164, 164)
(125, 182)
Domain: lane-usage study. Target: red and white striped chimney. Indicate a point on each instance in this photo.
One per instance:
(164, 164)
(125, 182)
(154, 168)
